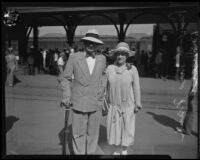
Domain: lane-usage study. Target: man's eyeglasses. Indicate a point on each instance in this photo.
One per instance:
(88, 43)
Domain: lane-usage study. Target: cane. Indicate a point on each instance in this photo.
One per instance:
(66, 129)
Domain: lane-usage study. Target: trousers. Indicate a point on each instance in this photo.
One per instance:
(85, 131)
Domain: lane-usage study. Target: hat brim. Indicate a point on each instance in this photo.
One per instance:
(114, 51)
(91, 39)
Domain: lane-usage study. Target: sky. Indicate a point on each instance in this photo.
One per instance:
(103, 30)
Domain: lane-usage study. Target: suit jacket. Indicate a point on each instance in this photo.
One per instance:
(86, 91)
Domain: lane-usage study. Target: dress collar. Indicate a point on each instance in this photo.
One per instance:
(121, 69)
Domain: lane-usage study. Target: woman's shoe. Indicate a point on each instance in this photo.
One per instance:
(116, 153)
(11, 85)
(124, 152)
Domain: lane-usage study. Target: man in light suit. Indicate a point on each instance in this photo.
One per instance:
(85, 94)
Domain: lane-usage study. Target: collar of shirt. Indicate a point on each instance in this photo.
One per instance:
(87, 56)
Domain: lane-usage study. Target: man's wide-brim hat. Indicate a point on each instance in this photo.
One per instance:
(122, 47)
(93, 36)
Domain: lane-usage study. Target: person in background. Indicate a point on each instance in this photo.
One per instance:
(44, 55)
(177, 63)
(55, 61)
(144, 59)
(30, 61)
(163, 64)
(11, 62)
(188, 122)
(40, 61)
(159, 64)
(85, 93)
(123, 98)
(71, 50)
(61, 64)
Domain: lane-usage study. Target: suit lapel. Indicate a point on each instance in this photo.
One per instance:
(85, 69)
(83, 65)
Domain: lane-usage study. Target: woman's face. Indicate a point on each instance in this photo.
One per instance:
(121, 58)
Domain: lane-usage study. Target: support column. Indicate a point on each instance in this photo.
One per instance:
(4, 65)
(71, 22)
(180, 36)
(22, 44)
(70, 34)
(121, 35)
(35, 44)
(180, 33)
(137, 56)
(156, 35)
(9, 37)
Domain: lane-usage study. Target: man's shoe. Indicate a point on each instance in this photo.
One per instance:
(125, 152)
(182, 130)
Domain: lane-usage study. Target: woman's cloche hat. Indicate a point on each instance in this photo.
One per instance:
(93, 36)
(122, 47)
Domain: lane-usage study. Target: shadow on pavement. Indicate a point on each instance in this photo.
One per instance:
(69, 148)
(10, 120)
(103, 143)
(177, 151)
(165, 120)
(194, 133)
(16, 80)
(102, 134)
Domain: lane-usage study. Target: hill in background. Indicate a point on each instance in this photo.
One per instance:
(137, 36)
(53, 35)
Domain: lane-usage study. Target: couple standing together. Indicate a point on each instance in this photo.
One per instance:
(92, 83)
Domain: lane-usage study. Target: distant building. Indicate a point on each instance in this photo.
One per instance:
(61, 42)
(55, 40)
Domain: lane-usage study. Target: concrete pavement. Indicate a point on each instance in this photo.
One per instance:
(34, 121)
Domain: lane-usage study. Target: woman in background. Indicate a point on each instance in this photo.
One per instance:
(11, 62)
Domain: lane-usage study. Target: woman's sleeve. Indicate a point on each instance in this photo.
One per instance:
(136, 86)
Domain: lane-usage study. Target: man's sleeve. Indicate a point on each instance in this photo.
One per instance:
(66, 78)
(103, 80)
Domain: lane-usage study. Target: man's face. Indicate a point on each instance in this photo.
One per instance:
(90, 47)
(10, 49)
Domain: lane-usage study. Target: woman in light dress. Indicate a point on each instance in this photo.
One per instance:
(123, 97)
(11, 61)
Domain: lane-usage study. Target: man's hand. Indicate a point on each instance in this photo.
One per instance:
(66, 103)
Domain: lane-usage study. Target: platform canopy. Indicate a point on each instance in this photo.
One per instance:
(101, 13)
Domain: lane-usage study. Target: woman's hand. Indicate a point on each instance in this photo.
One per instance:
(137, 108)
